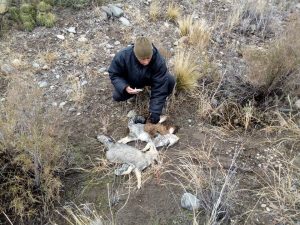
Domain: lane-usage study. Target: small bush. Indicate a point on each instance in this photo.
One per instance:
(173, 12)
(185, 25)
(186, 71)
(43, 7)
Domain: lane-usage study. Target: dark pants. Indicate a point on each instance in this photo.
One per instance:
(117, 96)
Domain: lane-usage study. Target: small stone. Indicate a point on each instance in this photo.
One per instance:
(42, 84)
(117, 43)
(107, 10)
(298, 6)
(7, 69)
(72, 30)
(166, 24)
(109, 46)
(57, 76)
(105, 73)
(189, 120)
(190, 202)
(61, 37)
(82, 39)
(2, 99)
(52, 87)
(297, 104)
(263, 205)
(84, 83)
(268, 209)
(124, 21)
(78, 114)
(131, 113)
(54, 104)
(71, 35)
(102, 70)
(35, 65)
(62, 104)
(72, 109)
(116, 11)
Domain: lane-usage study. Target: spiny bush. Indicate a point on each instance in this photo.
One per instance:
(186, 71)
(32, 148)
(173, 11)
(271, 68)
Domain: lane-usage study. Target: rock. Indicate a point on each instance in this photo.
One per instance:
(124, 21)
(54, 104)
(61, 37)
(117, 43)
(189, 120)
(42, 84)
(102, 70)
(297, 104)
(3, 6)
(116, 11)
(46, 67)
(7, 69)
(82, 39)
(109, 46)
(35, 65)
(263, 205)
(72, 30)
(190, 202)
(84, 82)
(72, 109)
(131, 113)
(298, 6)
(107, 10)
(62, 104)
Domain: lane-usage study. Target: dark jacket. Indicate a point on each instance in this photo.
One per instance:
(125, 70)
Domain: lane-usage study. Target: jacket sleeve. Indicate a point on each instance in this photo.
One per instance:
(116, 72)
(159, 89)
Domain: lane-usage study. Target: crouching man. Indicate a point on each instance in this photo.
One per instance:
(141, 65)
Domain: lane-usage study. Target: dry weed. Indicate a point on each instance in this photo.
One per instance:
(154, 10)
(48, 57)
(185, 25)
(32, 146)
(200, 34)
(173, 12)
(186, 71)
(77, 90)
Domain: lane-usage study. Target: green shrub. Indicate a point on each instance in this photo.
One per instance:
(14, 13)
(43, 7)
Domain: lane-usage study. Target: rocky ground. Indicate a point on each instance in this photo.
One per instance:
(69, 63)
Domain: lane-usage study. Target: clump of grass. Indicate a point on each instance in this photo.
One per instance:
(272, 67)
(78, 92)
(154, 10)
(173, 11)
(185, 25)
(200, 34)
(186, 71)
(32, 146)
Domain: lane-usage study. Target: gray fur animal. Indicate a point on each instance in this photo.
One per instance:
(123, 153)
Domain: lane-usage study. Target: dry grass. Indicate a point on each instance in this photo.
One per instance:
(32, 146)
(48, 57)
(280, 189)
(250, 16)
(154, 10)
(185, 25)
(85, 55)
(78, 92)
(271, 68)
(210, 180)
(186, 71)
(173, 12)
(200, 34)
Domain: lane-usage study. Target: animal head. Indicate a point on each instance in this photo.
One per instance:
(104, 139)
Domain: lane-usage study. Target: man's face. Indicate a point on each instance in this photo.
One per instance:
(145, 61)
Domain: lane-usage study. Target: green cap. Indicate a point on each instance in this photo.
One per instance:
(142, 48)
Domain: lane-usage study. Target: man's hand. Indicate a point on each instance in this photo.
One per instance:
(132, 91)
(154, 118)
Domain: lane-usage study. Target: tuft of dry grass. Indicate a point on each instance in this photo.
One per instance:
(173, 11)
(154, 10)
(77, 90)
(185, 25)
(48, 57)
(272, 67)
(186, 71)
(200, 34)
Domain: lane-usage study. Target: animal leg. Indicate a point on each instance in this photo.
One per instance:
(148, 146)
(126, 140)
(138, 175)
(162, 119)
(128, 171)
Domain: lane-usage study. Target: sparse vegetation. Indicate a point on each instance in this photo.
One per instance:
(154, 10)
(185, 25)
(200, 34)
